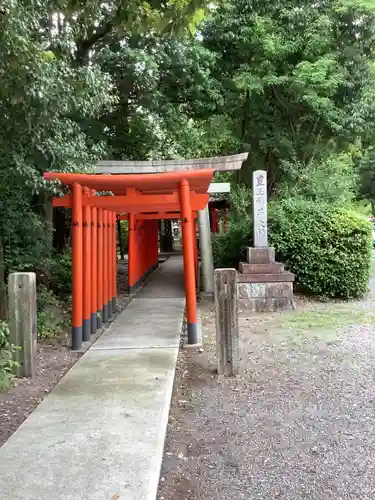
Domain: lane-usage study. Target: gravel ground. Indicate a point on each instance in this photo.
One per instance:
(298, 424)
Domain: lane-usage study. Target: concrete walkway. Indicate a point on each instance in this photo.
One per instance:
(99, 435)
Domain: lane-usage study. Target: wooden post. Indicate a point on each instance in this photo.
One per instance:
(22, 321)
(227, 331)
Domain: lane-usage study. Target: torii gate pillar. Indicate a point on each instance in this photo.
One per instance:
(205, 243)
(205, 247)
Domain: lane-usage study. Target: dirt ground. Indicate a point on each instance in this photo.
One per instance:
(299, 423)
(53, 361)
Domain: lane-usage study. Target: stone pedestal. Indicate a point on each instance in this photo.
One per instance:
(263, 284)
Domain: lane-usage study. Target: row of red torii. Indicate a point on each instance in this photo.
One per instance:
(143, 193)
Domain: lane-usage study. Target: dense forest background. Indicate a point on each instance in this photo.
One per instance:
(291, 82)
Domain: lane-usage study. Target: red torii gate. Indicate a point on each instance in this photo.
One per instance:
(144, 198)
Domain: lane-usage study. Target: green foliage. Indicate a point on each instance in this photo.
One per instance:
(23, 232)
(61, 273)
(95, 22)
(7, 364)
(163, 94)
(363, 207)
(42, 100)
(229, 248)
(296, 80)
(332, 180)
(51, 320)
(327, 247)
(294, 87)
(57, 95)
(366, 175)
(290, 82)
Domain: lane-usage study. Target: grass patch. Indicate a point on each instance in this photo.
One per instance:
(324, 321)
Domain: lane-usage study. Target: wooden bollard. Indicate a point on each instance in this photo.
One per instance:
(22, 321)
(227, 331)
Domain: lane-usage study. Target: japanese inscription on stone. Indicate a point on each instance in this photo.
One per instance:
(260, 208)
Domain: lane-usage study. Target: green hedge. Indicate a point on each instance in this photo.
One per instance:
(61, 273)
(229, 248)
(327, 247)
(6, 358)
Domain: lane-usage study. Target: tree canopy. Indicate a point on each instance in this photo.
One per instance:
(53, 91)
(290, 82)
(295, 78)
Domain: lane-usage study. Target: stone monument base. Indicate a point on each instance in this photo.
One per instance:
(263, 284)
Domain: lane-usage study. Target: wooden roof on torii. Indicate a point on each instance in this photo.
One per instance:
(218, 164)
(155, 193)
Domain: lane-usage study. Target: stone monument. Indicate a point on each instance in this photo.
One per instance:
(260, 209)
(263, 284)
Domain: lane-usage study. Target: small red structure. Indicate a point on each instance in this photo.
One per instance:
(142, 199)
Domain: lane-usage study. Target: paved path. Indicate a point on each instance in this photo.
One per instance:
(100, 434)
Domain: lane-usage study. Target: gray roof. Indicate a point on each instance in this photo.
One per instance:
(220, 163)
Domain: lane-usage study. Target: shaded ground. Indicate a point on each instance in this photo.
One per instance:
(25, 395)
(53, 361)
(299, 423)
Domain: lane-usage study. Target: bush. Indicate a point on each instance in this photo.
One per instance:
(229, 248)
(61, 273)
(332, 180)
(50, 318)
(6, 358)
(327, 247)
